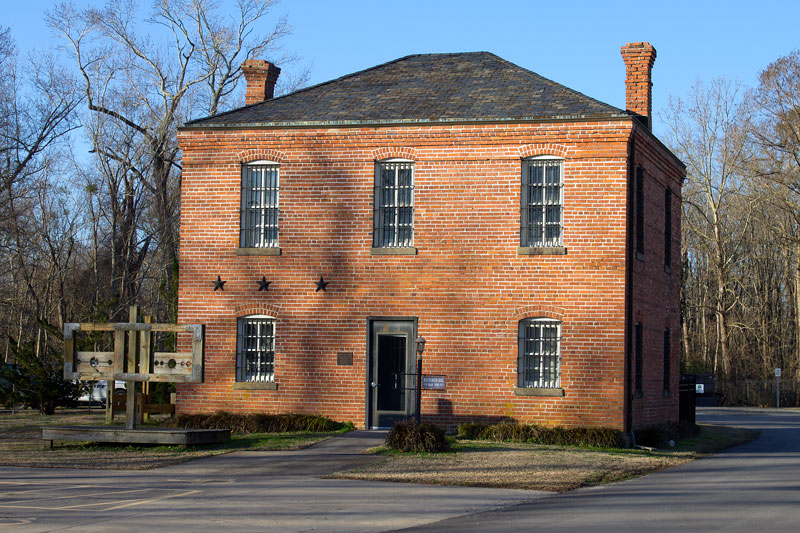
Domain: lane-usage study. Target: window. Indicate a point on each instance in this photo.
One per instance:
(259, 223)
(639, 360)
(393, 225)
(541, 198)
(255, 349)
(668, 229)
(666, 361)
(539, 353)
(640, 212)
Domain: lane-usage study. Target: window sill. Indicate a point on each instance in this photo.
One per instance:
(409, 250)
(667, 394)
(542, 250)
(640, 256)
(638, 394)
(538, 391)
(255, 385)
(258, 251)
(668, 269)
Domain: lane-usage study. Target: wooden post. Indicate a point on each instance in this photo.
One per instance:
(145, 364)
(119, 365)
(130, 386)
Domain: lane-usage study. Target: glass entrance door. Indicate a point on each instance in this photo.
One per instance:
(391, 372)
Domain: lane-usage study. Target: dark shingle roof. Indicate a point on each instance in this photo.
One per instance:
(466, 87)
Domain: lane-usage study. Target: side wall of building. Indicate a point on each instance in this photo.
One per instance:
(467, 285)
(656, 285)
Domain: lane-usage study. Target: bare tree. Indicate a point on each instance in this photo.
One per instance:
(36, 113)
(776, 132)
(144, 85)
(707, 133)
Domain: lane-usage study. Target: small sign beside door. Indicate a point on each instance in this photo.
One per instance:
(433, 382)
(699, 388)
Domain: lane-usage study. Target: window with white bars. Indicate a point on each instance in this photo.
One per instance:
(542, 202)
(255, 349)
(539, 353)
(259, 217)
(393, 225)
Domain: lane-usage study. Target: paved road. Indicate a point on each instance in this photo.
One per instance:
(753, 487)
(244, 491)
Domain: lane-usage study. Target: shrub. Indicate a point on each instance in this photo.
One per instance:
(258, 422)
(660, 435)
(408, 436)
(37, 380)
(507, 431)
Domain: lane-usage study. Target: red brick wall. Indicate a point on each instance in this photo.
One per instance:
(656, 290)
(467, 285)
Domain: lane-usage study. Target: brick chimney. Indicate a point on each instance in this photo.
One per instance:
(260, 76)
(639, 59)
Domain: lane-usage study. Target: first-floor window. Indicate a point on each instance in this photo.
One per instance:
(539, 353)
(255, 349)
(667, 354)
(639, 359)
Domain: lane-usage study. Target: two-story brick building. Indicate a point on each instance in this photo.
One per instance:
(529, 233)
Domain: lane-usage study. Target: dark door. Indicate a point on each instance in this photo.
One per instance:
(391, 372)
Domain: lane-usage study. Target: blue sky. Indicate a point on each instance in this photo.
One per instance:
(575, 43)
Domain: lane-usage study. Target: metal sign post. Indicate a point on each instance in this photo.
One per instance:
(778, 382)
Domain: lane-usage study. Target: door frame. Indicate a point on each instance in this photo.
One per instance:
(368, 396)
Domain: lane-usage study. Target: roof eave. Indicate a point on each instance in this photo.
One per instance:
(399, 122)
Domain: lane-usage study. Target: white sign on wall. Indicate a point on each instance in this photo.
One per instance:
(699, 388)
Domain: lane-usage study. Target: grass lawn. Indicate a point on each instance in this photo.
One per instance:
(539, 467)
(21, 444)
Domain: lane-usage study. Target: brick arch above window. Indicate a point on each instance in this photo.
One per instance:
(531, 150)
(256, 309)
(540, 311)
(399, 152)
(259, 154)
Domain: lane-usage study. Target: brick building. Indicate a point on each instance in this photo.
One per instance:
(529, 233)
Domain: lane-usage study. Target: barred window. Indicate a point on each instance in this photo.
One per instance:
(640, 212)
(668, 228)
(394, 204)
(667, 354)
(539, 353)
(542, 202)
(639, 359)
(255, 349)
(259, 217)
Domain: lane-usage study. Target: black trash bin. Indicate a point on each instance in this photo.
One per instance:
(686, 398)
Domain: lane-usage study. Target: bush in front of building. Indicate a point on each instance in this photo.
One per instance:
(579, 436)
(259, 422)
(660, 436)
(408, 436)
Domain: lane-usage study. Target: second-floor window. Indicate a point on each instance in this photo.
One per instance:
(640, 212)
(259, 210)
(393, 225)
(668, 228)
(541, 202)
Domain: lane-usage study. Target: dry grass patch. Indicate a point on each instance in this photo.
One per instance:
(21, 445)
(515, 466)
(538, 467)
